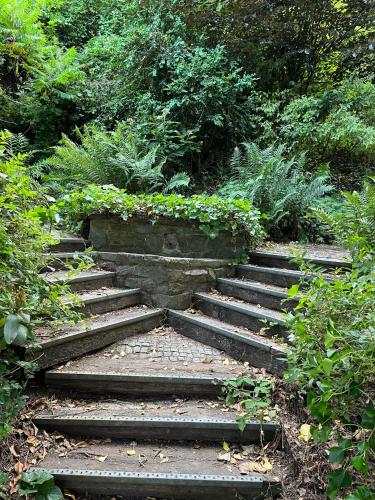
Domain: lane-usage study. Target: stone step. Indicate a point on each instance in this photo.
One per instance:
(106, 300)
(270, 296)
(63, 343)
(92, 279)
(163, 470)
(273, 259)
(239, 343)
(269, 275)
(193, 420)
(238, 313)
(70, 244)
(158, 362)
(61, 259)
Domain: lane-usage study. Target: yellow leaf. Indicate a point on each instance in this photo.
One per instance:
(130, 453)
(226, 446)
(266, 464)
(304, 433)
(226, 361)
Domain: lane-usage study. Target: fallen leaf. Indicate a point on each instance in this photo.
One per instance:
(19, 467)
(304, 433)
(14, 451)
(226, 361)
(263, 466)
(101, 459)
(130, 453)
(226, 446)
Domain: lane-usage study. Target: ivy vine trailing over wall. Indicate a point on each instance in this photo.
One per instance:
(333, 331)
(212, 214)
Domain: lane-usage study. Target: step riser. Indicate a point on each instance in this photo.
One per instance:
(236, 348)
(143, 485)
(281, 261)
(110, 304)
(188, 430)
(134, 387)
(255, 297)
(90, 341)
(69, 246)
(269, 278)
(237, 318)
(78, 286)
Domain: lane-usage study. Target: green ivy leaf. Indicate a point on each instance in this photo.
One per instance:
(360, 464)
(338, 479)
(11, 327)
(368, 418)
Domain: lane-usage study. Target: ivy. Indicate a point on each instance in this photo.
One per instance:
(212, 214)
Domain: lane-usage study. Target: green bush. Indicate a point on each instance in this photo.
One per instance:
(212, 214)
(333, 333)
(278, 186)
(335, 126)
(25, 295)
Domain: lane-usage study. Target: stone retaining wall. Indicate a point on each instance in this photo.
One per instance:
(167, 237)
(164, 281)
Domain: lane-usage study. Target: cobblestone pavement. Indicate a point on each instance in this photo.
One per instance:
(162, 344)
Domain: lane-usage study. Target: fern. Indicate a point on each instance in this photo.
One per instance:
(117, 158)
(177, 183)
(277, 185)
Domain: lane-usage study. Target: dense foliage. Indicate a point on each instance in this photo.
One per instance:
(278, 186)
(212, 214)
(189, 80)
(333, 359)
(25, 295)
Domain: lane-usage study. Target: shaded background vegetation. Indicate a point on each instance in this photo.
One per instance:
(135, 93)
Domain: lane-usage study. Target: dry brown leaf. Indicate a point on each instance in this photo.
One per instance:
(19, 467)
(14, 451)
(261, 467)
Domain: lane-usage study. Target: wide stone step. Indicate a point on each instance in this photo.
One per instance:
(158, 362)
(70, 244)
(106, 300)
(178, 471)
(270, 275)
(92, 279)
(273, 259)
(197, 420)
(60, 344)
(239, 343)
(270, 296)
(249, 316)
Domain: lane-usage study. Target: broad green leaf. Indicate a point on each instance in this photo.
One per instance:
(11, 326)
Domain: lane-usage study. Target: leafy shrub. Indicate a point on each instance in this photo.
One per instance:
(41, 484)
(25, 295)
(212, 214)
(337, 125)
(39, 82)
(120, 158)
(278, 186)
(333, 332)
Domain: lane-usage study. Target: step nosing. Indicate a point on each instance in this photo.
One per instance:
(108, 420)
(104, 298)
(243, 337)
(59, 375)
(78, 279)
(242, 308)
(156, 476)
(273, 270)
(250, 286)
(321, 260)
(90, 331)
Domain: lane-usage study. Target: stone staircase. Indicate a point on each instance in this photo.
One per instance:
(142, 384)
